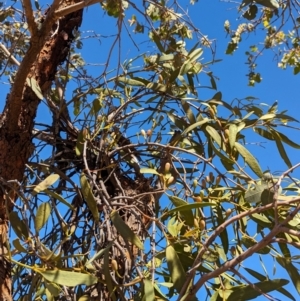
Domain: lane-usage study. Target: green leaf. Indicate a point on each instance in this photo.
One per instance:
(89, 196)
(286, 140)
(249, 159)
(195, 125)
(262, 220)
(33, 84)
(281, 149)
(108, 280)
(148, 287)
(125, 231)
(58, 197)
(233, 130)
(53, 288)
(188, 207)
(67, 278)
(18, 225)
(50, 180)
(18, 246)
(263, 133)
(188, 111)
(149, 170)
(131, 81)
(186, 214)
(214, 134)
(263, 278)
(99, 254)
(260, 193)
(80, 142)
(247, 292)
(291, 270)
(42, 215)
(175, 267)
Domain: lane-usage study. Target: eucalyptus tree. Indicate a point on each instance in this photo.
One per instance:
(134, 187)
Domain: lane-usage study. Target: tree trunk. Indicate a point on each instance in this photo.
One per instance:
(49, 47)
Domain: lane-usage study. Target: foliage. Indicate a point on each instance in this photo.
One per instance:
(183, 205)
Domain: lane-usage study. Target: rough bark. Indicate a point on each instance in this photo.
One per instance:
(17, 119)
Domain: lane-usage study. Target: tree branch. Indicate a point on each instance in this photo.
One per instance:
(36, 43)
(72, 8)
(32, 27)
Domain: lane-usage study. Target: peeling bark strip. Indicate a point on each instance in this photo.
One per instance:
(48, 49)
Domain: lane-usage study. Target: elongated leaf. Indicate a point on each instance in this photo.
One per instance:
(286, 140)
(42, 215)
(281, 149)
(50, 180)
(18, 246)
(108, 280)
(125, 231)
(291, 270)
(89, 196)
(233, 130)
(99, 254)
(195, 125)
(214, 134)
(33, 84)
(130, 81)
(247, 292)
(188, 207)
(18, 225)
(149, 170)
(250, 159)
(149, 294)
(67, 278)
(188, 111)
(177, 272)
(267, 116)
(262, 220)
(263, 278)
(58, 197)
(187, 214)
(263, 133)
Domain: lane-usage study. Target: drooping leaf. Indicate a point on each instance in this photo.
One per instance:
(233, 130)
(214, 134)
(149, 170)
(281, 149)
(148, 288)
(247, 292)
(89, 196)
(18, 225)
(42, 215)
(18, 246)
(186, 214)
(50, 180)
(33, 84)
(249, 159)
(108, 280)
(67, 278)
(291, 270)
(125, 231)
(177, 272)
(263, 278)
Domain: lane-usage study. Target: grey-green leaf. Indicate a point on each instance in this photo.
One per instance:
(89, 196)
(42, 215)
(249, 159)
(125, 231)
(50, 180)
(18, 225)
(68, 278)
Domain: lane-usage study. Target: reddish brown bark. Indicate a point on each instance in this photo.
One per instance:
(17, 121)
